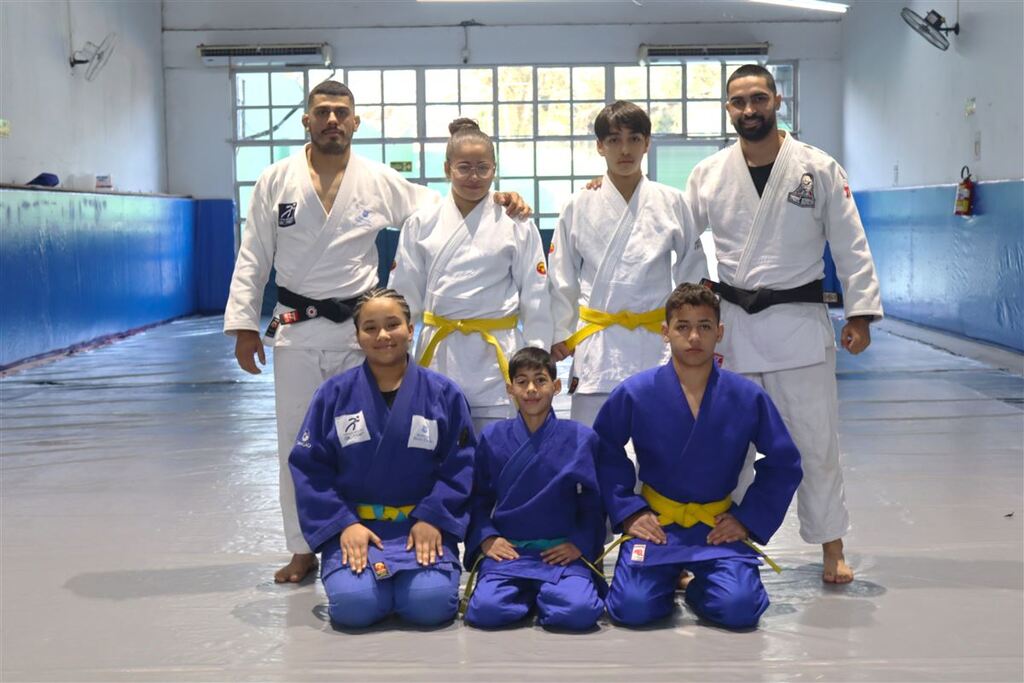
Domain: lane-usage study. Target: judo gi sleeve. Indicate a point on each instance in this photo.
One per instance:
(252, 265)
(409, 278)
(588, 532)
(564, 268)
(691, 264)
(616, 476)
(405, 198)
(481, 501)
(849, 244)
(529, 272)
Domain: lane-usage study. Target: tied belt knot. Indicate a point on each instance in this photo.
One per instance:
(481, 326)
(756, 300)
(600, 320)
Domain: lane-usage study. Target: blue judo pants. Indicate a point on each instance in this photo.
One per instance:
(727, 592)
(425, 597)
(571, 603)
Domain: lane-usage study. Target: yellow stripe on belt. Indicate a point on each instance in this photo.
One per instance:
(599, 320)
(383, 513)
(481, 326)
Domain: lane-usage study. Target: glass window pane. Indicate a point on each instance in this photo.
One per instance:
(703, 118)
(285, 151)
(666, 82)
(244, 198)
(433, 163)
(553, 119)
(667, 117)
(371, 151)
(399, 86)
(729, 70)
(547, 223)
(704, 80)
(553, 195)
(286, 88)
(524, 186)
(585, 159)
(288, 124)
(515, 120)
(365, 87)
(676, 162)
(252, 90)
(515, 83)
(250, 162)
(477, 85)
(554, 158)
(515, 159)
(588, 83)
(318, 76)
(583, 115)
(438, 118)
(442, 85)
(553, 84)
(400, 122)
(404, 157)
(371, 122)
(630, 83)
(483, 114)
(253, 124)
(783, 74)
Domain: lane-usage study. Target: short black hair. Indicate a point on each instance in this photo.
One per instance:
(532, 358)
(753, 70)
(689, 294)
(331, 89)
(381, 293)
(622, 114)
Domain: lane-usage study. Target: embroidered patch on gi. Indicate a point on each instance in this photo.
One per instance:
(639, 552)
(303, 441)
(363, 217)
(286, 214)
(719, 359)
(803, 195)
(551, 249)
(573, 383)
(351, 429)
(541, 268)
(381, 571)
(423, 433)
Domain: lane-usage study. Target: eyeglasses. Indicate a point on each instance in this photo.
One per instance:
(466, 169)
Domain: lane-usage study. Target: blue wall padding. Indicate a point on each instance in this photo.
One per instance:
(215, 252)
(387, 247)
(77, 267)
(962, 275)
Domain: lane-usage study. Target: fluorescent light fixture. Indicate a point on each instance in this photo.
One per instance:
(822, 5)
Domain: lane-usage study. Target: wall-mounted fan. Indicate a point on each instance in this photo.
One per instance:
(95, 56)
(932, 27)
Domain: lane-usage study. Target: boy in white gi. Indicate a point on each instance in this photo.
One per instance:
(314, 217)
(772, 203)
(611, 264)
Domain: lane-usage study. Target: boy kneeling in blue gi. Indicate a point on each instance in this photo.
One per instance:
(536, 510)
(382, 470)
(691, 425)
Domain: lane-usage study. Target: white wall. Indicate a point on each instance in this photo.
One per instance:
(65, 125)
(199, 98)
(905, 100)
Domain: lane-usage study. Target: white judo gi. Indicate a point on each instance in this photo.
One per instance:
(317, 255)
(612, 256)
(776, 241)
(484, 266)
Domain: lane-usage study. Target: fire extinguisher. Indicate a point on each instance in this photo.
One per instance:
(964, 205)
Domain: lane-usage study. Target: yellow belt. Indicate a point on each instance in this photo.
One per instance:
(482, 326)
(383, 512)
(599, 320)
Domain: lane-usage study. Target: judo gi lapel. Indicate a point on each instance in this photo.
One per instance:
(394, 422)
(677, 407)
(524, 456)
(610, 260)
(459, 234)
(768, 204)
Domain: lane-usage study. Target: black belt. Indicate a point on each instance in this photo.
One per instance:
(756, 300)
(335, 310)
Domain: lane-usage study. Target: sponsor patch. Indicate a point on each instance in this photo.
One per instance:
(719, 359)
(286, 214)
(423, 433)
(639, 552)
(573, 383)
(303, 441)
(351, 429)
(380, 570)
(846, 191)
(803, 195)
(541, 268)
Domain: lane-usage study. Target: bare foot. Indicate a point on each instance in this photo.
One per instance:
(296, 570)
(836, 570)
(684, 580)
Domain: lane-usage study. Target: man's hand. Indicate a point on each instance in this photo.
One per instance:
(562, 554)
(497, 548)
(426, 538)
(856, 335)
(644, 525)
(560, 351)
(355, 543)
(515, 205)
(727, 529)
(247, 345)
(596, 183)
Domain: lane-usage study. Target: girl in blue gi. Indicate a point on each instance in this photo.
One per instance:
(691, 425)
(536, 510)
(382, 470)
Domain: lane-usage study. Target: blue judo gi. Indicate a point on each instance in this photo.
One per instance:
(699, 461)
(353, 457)
(536, 491)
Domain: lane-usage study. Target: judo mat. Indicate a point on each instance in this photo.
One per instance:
(140, 532)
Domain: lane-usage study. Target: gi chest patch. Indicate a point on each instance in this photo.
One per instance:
(803, 195)
(286, 214)
(423, 433)
(381, 571)
(541, 268)
(351, 429)
(639, 552)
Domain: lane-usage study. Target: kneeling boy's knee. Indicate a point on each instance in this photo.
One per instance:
(736, 609)
(355, 610)
(632, 608)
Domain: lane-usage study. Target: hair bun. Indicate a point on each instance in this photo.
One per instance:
(462, 124)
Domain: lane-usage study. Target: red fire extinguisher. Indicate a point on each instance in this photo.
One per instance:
(964, 205)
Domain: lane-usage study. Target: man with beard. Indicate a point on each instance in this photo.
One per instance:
(315, 217)
(772, 203)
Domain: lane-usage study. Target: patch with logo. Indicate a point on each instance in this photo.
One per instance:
(381, 571)
(551, 249)
(639, 553)
(311, 312)
(541, 268)
(286, 214)
(364, 217)
(803, 195)
(423, 433)
(719, 359)
(303, 441)
(573, 384)
(351, 428)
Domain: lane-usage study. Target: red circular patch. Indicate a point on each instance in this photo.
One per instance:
(541, 268)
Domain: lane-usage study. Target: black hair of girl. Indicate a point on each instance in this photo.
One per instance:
(464, 130)
(381, 293)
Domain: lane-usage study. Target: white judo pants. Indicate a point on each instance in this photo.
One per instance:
(586, 406)
(298, 373)
(808, 401)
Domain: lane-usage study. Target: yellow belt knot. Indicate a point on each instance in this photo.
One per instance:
(481, 326)
(600, 320)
